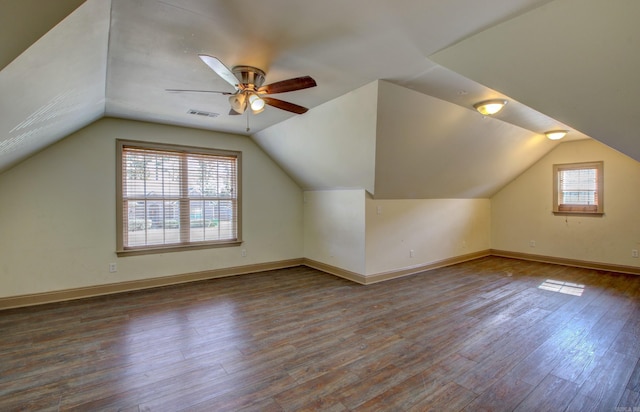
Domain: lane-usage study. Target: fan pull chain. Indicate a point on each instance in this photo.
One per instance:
(248, 122)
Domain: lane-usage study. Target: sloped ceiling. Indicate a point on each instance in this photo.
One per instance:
(424, 148)
(117, 57)
(332, 146)
(343, 45)
(56, 86)
(25, 21)
(575, 60)
(428, 148)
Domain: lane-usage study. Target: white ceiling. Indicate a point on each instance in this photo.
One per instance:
(56, 86)
(117, 57)
(23, 22)
(578, 61)
(342, 45)
(425, 148)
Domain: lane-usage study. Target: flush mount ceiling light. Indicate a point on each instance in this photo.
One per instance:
(489, 107)
(556, 134)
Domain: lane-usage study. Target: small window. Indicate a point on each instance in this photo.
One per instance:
(578, 188)
(175, 197)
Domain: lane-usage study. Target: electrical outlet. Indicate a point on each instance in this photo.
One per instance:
(411, 254)
(379, 210)
(532, 243)
(113, 267)
(634, 253)
(243, 252)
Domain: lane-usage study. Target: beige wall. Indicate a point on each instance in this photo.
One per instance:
(58, 220)
(521, 211)
(435, 229)
(334, 228)
(57, 215)
(343, 228)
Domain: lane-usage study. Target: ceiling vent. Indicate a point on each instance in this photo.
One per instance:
(202, 113)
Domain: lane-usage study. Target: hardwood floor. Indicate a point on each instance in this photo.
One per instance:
(481, 335)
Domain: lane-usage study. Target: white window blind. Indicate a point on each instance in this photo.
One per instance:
(176, 196)
(578, 187)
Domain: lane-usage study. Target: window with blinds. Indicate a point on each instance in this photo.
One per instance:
(578, 188)
(176, 197)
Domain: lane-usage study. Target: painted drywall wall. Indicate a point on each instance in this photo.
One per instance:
(413, 232)
(306, 146)
(57, 214)
(521, 211)
(351, 231)
(334, 228)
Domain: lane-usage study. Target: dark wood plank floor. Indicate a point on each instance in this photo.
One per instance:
(482, 335)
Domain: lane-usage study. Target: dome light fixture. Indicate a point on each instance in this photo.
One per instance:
(489, 107)
(556, 134)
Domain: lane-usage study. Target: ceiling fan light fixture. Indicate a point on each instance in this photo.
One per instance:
(238, 102)
(556, 134)
(247, 82)
(489, 107)
(256, 103)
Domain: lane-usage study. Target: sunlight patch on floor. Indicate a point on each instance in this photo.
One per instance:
(559, 286)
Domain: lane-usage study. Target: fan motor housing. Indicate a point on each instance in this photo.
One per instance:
(249, 75)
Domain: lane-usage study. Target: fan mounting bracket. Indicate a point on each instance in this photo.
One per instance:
(249, 76)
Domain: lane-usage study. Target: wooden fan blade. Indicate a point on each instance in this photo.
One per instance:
(281, 104)
(197, 91)
(233, 113)
(289, 85)
(220, 69)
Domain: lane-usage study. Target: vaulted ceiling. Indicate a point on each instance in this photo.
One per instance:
(555, 61)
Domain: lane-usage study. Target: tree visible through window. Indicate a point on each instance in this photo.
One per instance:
(176, 197)
(578, 188)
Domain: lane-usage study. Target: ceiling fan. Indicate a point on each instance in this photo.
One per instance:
(249, 91)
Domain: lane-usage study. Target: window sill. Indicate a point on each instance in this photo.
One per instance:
(569, 213)
(175, 248)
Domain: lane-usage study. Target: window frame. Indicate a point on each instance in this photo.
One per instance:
(122, 250)
(576, 209)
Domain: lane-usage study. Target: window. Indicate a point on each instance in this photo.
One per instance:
(578, 188)
(176, 197)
